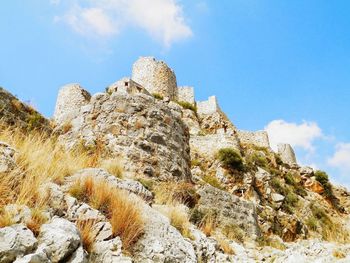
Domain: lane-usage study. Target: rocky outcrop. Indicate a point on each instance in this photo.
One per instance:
(15, 241)
(142, 131)
(13, 112)
(229, 210)
(162, 242)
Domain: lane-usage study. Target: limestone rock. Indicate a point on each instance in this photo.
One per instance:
(15, 241)
(161, 242)
(205, 247)
(60, 239)
(109, 251)
(142, 132)
(7, 161)
(306, 171)
(229, 210)
(287, 154)
(277, 197)
(71, 98)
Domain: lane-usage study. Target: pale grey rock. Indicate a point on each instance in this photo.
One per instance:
(19, 213)
(229, 209)
(109, 251)
(287, 154)
(204, 247)
(7, 161)
(102, 231)
(79, 256)
(60, 239)
(15, 242)
(39, 256)
(186, 94)
(129, 185)
(71, 98)
(191, 121)
(142, 132)
(306, 171)
(277, 197)
(161, 242)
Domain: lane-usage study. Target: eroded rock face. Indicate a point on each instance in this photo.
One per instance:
(230, 210)
(59, 238)
(15, 241)
(162, 242)
(142, 131)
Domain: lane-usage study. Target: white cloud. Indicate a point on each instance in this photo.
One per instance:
(89, 21)
(162, 19)
(341, 157)
(298, 135)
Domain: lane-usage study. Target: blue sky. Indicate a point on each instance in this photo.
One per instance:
(279, 65)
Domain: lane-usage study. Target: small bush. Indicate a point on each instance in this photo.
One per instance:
(231, 159)
(187, 105)
(196, 216)
(157, 96)
(311, 223)
(289, 178)
(258, 159)
(322, 177)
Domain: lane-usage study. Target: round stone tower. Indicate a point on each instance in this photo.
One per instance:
(70, 99)
(155, 76)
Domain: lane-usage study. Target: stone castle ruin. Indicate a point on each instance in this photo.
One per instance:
(139, 125)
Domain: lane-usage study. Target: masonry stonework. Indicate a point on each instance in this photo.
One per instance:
(208, 107)
(155, 76)
(71, 98)
(127, 85)
(258, 138)
(186, 94)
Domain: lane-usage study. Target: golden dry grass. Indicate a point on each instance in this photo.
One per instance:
(225, 246)
(122, 212)
(113, 167)
(87, 236)
(208, 224)
(6, 219)
(36, 221)
(40, 159)
(176, 192)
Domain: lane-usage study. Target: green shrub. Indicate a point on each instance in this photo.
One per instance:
(289, 179)
(157, 96)
(291, 199)
(322, 177)
(231, 159)
(196, 216)
(213, 181)
(147, 183)
(311, 223)
(258, 159)
(187, 105)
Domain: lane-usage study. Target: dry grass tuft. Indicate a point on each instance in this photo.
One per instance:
(113, 167)
(225, 246)
(39, 159)
(122, 212)
(208, 224)
(87, 236)
(339, 254)
(36, 221)
(6, 219)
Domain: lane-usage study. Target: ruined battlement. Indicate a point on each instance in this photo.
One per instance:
(186, 94)
(155, 76)
(127, 85)
(258, 138)
(208, 107)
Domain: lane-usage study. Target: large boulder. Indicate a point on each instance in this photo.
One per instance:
(229, 210)
(59, 239)
(15, 241)
(143, 132)
(161, 242)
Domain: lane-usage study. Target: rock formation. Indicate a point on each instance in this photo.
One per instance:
(143, 172)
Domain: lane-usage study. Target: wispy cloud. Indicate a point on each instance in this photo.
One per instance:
(341, 157)
(163, 20)
(298, 135)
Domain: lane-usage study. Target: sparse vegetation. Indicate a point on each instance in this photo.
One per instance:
(225, 246)
(157, 96)
(208, 223)
(36, 221)
(231, 159)
(258, 159)
(6, 219)
(113, 167)
(187, 105)
(147, 183)
(122, 212)
(275, 243)
(213, 181)
(233, 232)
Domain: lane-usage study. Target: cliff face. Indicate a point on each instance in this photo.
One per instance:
(126, 176)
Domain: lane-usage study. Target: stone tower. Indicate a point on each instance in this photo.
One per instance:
(71, 98)
(155, 76)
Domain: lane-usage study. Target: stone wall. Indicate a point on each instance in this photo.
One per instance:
(209, 145)
(258, 138)
(127, 85)
(208, 107)
(138, 129)
(155, 76)
(70, 99)
(186, 94)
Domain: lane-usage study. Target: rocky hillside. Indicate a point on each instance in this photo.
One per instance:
(141, 172)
